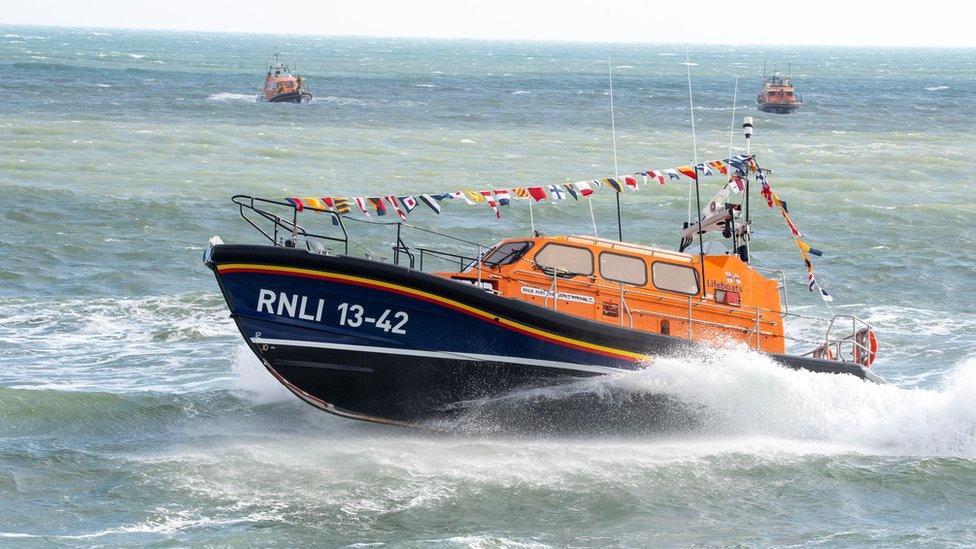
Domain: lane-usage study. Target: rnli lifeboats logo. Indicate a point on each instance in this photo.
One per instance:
(575, 298)
(733, 283)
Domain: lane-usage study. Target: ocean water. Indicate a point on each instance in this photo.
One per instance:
(131, 413)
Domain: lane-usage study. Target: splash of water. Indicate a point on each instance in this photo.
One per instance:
(233, 97)
(747, 394)
(251, 377)
(731, 395)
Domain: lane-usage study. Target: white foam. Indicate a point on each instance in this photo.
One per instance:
(747, 394)
(156, 343)
(345, 101)
(227, 96)
(253, 378)
(180, 521)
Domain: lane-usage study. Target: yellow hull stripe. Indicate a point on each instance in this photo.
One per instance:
(433, 297)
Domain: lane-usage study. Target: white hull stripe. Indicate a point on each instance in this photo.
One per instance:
(474, 357)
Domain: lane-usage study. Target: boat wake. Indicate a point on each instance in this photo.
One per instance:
(227, 97)
(736, 393)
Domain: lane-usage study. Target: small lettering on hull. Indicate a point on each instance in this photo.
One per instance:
(539, 292)
(291, 305)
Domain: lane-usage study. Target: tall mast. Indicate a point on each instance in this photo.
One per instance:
(694, 138)
(613, 135)
(694, 144)
(747, 129)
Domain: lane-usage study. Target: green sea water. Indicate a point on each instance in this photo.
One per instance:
(132, 414)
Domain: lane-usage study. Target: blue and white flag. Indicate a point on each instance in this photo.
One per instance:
(704, 169)
(431, 203)
(409, 203)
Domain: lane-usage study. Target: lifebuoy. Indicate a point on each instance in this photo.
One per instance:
(824, 352)
(865, 339)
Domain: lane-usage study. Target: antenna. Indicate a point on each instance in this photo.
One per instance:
(735, 93)
(613, 134)
(592, 218)
(694, 138)
(694, 144)
(531, 216)
(747, 130)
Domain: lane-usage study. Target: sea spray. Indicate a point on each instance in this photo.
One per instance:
(253, 378)
(735, 393)
(748, 394)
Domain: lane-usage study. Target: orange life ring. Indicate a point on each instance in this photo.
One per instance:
(865, 338)
(824, 352)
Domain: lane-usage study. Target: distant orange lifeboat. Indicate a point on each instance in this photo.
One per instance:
(778, 95)
(280, 86)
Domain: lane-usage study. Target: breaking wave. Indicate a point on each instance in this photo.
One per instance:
(737, 394)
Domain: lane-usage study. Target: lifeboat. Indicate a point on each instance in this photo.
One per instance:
(778, 95)
(280, 86)
(396, 341)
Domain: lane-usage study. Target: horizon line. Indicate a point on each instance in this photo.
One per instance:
(485, 39)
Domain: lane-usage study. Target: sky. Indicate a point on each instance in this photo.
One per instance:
(935, 23)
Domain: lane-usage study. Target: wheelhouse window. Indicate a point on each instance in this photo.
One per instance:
(675, 278)
(508, 252)
(565, 259)
(623, 268)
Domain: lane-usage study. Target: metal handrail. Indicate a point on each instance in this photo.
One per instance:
(781, 283)
(463, 260)
(693, 304)
(257, 205)
(702, 322)
(676, 301)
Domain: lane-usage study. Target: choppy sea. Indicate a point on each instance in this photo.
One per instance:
(132, 414)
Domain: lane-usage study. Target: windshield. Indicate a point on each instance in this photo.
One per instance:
(508, 252)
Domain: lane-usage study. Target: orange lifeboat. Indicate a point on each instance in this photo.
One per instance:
(778, 95)
(395, 342)
(281, 86)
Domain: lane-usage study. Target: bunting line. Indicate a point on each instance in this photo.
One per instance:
(773, 200)
(496, 198)
(736, 170)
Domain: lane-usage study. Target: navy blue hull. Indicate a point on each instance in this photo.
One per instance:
(292, 97)
(778, 109)
(373, 341)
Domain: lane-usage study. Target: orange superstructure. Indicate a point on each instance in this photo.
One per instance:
(639, 287)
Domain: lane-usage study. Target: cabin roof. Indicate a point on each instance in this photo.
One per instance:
(618, 246)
